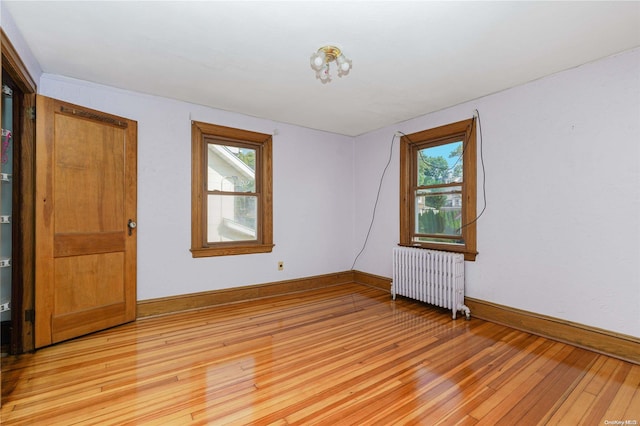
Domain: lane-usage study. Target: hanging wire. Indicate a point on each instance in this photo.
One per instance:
(484, 175)
(375, 205)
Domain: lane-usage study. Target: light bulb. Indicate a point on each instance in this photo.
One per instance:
(318, 60)
(344, 65)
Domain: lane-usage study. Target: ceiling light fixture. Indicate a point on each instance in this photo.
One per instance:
(320, 62)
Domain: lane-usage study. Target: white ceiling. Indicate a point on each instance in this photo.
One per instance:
(409, 58)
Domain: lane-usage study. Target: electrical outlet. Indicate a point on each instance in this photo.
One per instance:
(280, 266)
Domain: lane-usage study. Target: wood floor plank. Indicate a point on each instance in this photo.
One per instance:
(439, 390)
(508, 392)
(572, 408)
(346, 354)
(633, 409)
(534, 406)
(608, 392)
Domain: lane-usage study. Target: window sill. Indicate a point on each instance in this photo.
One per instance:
(469, 256)
(231, 250)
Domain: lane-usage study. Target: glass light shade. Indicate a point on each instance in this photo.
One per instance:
(323, 74)
(318, 60)
(344, 65)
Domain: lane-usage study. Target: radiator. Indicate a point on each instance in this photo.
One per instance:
(430, 276)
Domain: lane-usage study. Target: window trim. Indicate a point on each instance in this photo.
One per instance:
(200, 134)
(409, 145)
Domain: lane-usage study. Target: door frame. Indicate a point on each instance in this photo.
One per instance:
(23, 273)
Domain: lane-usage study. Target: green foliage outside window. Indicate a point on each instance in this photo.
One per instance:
(439, 222)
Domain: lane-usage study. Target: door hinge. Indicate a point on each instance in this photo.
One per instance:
(30, 315)
(31, 112)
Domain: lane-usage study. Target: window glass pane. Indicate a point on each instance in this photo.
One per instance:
(439, 211)
(440, 164)
(231, 218)
(231, 169)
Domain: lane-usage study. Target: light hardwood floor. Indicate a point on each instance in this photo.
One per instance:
(346, 354)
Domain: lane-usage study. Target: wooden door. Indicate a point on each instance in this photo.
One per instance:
(86, 165)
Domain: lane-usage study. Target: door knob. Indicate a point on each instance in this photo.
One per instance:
(132, 225)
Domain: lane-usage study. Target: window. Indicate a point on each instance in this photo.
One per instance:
(438, 189)
(231, 191)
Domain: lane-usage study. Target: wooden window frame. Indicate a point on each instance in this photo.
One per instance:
(201, 133)
(409, 147)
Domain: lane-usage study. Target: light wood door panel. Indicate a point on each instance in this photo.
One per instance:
(85, 195)
(88, 176)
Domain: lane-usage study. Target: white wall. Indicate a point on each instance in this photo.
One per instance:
(561, 232)
(311, 183)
